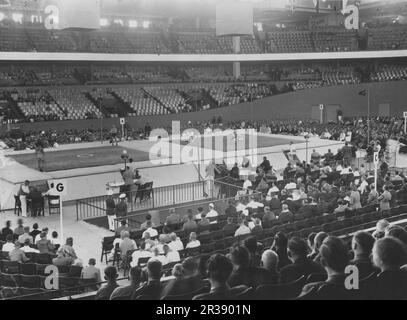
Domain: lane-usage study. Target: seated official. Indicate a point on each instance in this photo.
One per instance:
(106, 291)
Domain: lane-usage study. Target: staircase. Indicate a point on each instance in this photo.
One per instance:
(121, 104)
(98, 105)
(157, 100)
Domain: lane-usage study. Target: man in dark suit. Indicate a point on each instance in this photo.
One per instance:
(231, 210)
(219, 270)
(152, 289)
(189, 282)
(301, 265)
(362, 245)
(265, 165)
(268, 218)
(285, 215)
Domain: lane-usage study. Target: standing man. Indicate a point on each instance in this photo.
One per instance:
(22, 193)
(121, 207)
(110, 210)
(209, 178)
(39, 153)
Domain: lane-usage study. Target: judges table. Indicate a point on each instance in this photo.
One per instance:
(115, 186)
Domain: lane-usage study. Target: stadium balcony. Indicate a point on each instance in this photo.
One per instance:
(387, 38)
(334, 40)
(289, 41)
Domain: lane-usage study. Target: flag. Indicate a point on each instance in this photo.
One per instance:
(363, 92)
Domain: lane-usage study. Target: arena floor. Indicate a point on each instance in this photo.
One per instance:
(229, 143)
(81, 158)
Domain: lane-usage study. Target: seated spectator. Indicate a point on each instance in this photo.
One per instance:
(91, 272)
(231, 211)
(199, 214)
(193, 241)
(141, 253)
(243, 228)
(172, 255)
(20, 228)
(319, 238)
(150, 230)
(285, 215)
(26, 236)
(176, 243)
(397, 232)
(152, 288)
(203, 224)
(159, 257)
(301, 265)
(381, 226)
(149, 243)
(212, 213)
(280, 247)
(190, 225)
(17, 254)
(44, 245)
(187, 282)
(219, 270)
(252, 246)
(123, 227)
(35, 232)
(173, 218)
(126, 292)
(54, 240)
(37, 238)
(9, 245)
(7, 230)
(269, 261)
(243, 273)
(230, 225)
(268, 218)
(68, 249)
(144, 224)
(106, 291)
(176, 271)
(334, 258)
(257, 227)
(127, 244)
(27, 249)
(389, 255)
(362, 245)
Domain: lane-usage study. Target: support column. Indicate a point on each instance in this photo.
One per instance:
(236, 50)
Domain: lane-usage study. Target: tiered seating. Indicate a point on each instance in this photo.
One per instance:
(140, 102)
(387, 38)
(291, 41)
(74, 103)
(149, 74)
(109, 42)
(55, 75)
(110, 74)
(247, 44)
(17, 279)
(335, 40)
(342, 75)
(210, 73)
(170, 98)
(37, 104)
(390, 73)
(146, 42)
(200, 43)
(13, 38)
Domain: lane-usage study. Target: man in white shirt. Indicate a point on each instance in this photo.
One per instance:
(9, 245)
(156, 256)
(243, 229)
(240, 206)
(150, 230)
(247, 184)
(212, 212)
(26, 236)
(176, 243)
(254, 204)
(142, 253)
(172, 255)
(38, 237)
(27, 249)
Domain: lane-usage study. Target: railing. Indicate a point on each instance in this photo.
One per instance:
(146, 198)
(221, 193)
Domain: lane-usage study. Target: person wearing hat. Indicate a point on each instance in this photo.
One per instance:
(110, 210)
(121, 207)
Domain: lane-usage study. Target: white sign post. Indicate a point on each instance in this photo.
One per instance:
(321, 108)
(405, 121)
(376, 162)
(60, 189)
(122, 122)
